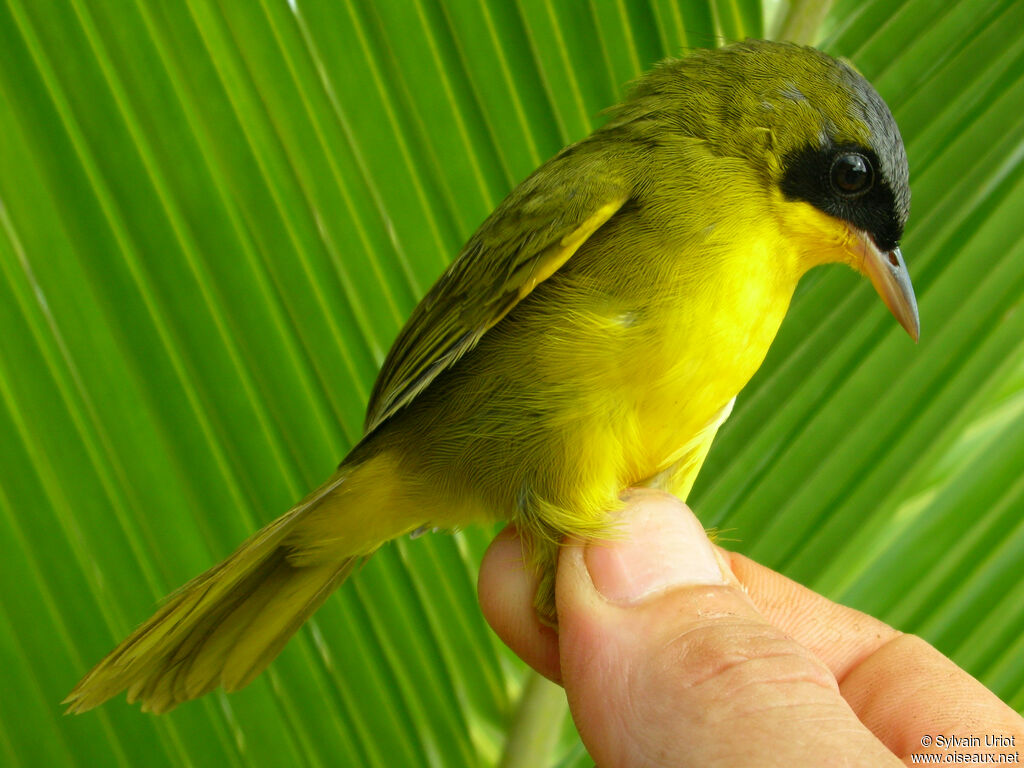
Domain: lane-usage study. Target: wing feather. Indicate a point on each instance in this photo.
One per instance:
(530, 235)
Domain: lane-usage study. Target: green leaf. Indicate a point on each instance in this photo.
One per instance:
(214, 219)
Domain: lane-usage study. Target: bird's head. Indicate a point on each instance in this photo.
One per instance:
(821, 138)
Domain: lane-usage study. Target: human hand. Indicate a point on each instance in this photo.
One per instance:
(675, 652)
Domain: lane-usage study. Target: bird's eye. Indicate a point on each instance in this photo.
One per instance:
(852, 174)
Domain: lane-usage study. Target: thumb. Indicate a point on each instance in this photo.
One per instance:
(665, 660)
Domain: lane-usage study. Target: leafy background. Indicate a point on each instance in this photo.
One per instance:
(214, 219)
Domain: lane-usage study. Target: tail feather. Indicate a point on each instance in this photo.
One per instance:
(226, 625)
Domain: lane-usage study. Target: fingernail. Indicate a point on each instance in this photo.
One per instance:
(658, 545)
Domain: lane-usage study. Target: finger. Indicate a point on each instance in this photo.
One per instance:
(664, 662)
(909, 694)
(841, 637)
(891, 669)
(901, 687)
(506, 589)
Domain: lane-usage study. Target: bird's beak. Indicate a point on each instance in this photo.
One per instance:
(888, 273)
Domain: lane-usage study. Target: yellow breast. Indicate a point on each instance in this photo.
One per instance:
(716, 332)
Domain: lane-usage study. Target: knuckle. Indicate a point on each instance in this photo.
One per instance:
(720, 658)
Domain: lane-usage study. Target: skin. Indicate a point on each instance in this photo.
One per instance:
(674, 652)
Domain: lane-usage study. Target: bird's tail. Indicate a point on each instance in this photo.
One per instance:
(226, 625)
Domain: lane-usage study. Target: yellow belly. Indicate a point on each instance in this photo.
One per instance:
(602, 378)
(713, 342)
(659, 362)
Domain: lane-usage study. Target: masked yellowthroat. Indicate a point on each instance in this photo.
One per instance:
(591, 336)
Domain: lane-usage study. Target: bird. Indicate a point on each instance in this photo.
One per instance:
(591, 336)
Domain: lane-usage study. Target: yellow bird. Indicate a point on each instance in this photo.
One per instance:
(591, 335)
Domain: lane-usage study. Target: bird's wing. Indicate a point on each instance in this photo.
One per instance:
(534, 231)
